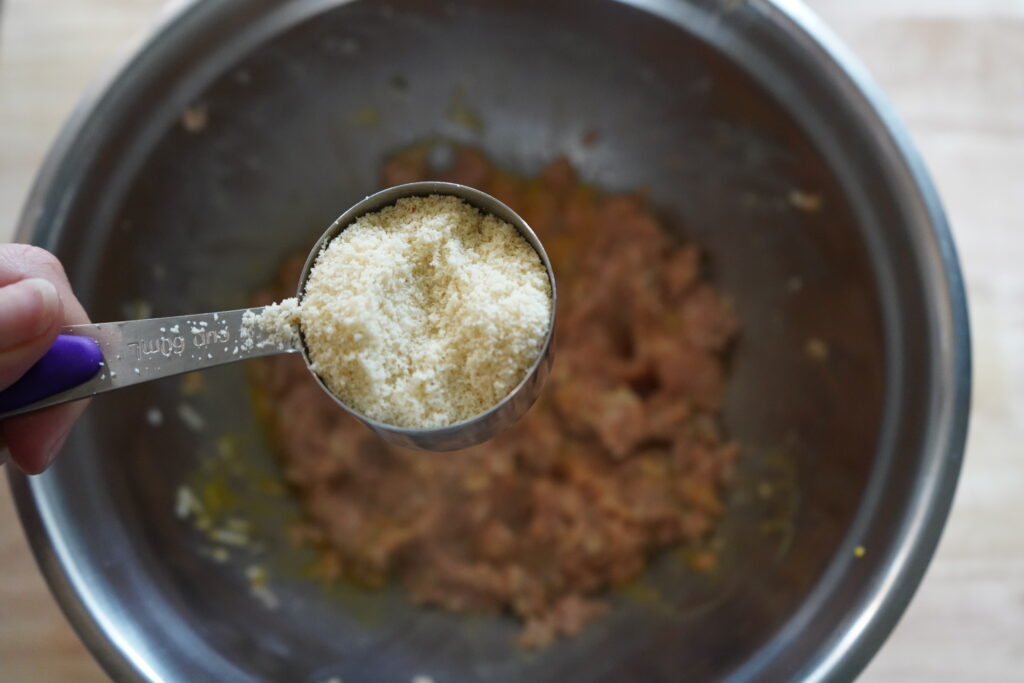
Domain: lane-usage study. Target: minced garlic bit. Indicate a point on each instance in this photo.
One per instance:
(186, 503)
(192, 383)
(195, 118)
(808, 202)
(424, 313)
(258, 586)
(191, 417)
(816, 349)
(154, 417)
(232, 537)
(220, 555)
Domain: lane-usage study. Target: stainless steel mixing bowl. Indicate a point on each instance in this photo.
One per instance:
(727, 112)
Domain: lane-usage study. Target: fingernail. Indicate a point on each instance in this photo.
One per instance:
(55, 447)
(49, 302)
(27, 310)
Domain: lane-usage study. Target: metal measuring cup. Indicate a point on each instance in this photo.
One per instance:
(92, 359)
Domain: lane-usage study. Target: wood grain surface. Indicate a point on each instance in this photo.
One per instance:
(954, 70)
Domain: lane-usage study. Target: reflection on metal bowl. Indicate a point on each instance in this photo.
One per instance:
(735, 117)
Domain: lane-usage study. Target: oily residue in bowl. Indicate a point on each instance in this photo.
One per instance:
(623, 455)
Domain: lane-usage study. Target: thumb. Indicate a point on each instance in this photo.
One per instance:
(30, 315)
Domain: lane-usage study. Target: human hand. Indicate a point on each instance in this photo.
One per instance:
(36, 301)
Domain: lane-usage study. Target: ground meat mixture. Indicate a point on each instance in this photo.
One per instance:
(622, 456)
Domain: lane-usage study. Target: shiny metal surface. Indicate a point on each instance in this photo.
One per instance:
(719, 110)
(136, 351)
(478, 428)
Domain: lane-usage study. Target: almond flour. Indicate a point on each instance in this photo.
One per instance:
(422, 314)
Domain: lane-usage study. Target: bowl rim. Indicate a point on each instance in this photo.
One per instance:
(879, 609)
(873, 613)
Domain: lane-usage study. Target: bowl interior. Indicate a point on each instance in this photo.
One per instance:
(297, 108)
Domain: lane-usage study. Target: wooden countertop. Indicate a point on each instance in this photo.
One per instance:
(952, 68)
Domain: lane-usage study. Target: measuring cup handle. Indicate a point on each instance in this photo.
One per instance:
(92, 359)
(69, 362)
